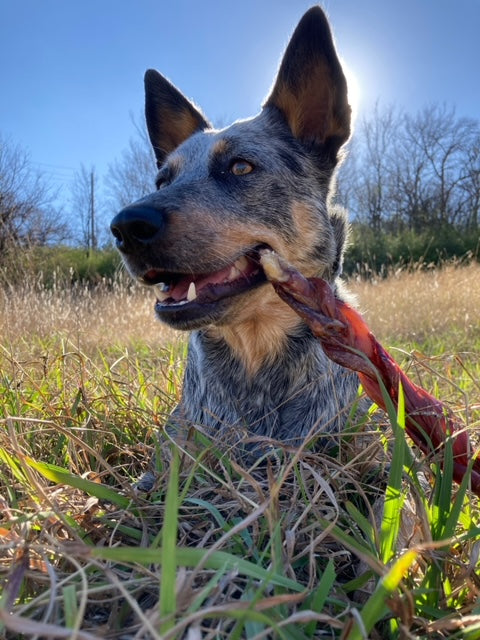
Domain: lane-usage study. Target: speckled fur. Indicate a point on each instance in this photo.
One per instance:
(253, 369)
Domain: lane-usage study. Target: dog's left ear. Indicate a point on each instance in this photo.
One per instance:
(310, 89)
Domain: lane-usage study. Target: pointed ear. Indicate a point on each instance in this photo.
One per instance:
(171, 118)
(311, 90)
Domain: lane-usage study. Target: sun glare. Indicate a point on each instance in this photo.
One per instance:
(353, 90)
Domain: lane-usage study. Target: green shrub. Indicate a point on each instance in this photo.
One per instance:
(377, 252)
(67, 264)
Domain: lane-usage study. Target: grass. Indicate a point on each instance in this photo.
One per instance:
(293, 549)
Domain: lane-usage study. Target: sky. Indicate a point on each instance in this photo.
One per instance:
(72, 71)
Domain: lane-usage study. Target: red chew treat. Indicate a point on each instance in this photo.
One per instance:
(347, 340)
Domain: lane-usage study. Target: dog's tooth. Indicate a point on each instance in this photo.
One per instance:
(234, 273)
(161, 291)
(241, 263)
(192, 292)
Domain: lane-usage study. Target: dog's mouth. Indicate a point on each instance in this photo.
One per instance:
(175, 290)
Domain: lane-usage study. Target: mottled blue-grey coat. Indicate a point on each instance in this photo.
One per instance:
(223, 195)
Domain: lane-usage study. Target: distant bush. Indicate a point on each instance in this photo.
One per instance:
(368, 252)
(378, 252)
(68, 264)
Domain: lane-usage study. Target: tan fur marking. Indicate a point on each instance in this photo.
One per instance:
(185, 124)
(219, 147)
(229, 238)
(260, 329)
(211, 237)
(309, 230)
(176, 161)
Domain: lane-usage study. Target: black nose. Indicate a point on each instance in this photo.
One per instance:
(137, 225)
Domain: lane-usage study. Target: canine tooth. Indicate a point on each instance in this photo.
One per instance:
(241, 263)
(192, 292)
(234, 273)
(163, 287)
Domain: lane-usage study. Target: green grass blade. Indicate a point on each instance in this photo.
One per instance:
(212, 509)
(375, 606)
(191, 557)
(14, 466)
(70, 605)
(394, 497)
(361, 550)
(458, 502)
(362, 522)
(443, 491)
(317, 600)
(62, 476)
(168, 604)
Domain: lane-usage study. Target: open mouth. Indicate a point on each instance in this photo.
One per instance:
(174, 290)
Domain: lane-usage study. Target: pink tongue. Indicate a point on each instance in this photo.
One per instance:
(179, 291)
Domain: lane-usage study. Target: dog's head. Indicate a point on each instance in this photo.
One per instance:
(224, 194)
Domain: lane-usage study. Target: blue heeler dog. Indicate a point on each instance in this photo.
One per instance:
(253, 367)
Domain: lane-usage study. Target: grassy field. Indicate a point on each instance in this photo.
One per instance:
(293, 549)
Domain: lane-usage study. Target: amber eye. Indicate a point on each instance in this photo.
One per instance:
(241, 167)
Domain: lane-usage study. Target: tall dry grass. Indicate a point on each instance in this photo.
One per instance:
(408, 307)
(111, 313)
(413, 307)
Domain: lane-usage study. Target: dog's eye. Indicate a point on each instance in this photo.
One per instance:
(241, 167)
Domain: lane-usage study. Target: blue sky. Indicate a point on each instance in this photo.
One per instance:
(72, 72)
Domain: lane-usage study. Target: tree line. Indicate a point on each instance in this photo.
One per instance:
(409, 181)
(414, 172)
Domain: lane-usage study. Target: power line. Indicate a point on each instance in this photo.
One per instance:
(55, 166)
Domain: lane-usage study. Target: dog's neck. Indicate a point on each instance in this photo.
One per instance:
(259, 331)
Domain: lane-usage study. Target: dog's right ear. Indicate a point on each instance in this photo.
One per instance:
(171, 118)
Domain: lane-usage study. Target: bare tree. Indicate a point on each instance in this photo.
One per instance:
(131, 176)
(471, 186)
(418, 172)
(85, 204)
(410, 189)
(28, 216)
(365, 181)
(444, 142)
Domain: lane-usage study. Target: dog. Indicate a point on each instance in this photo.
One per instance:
(253, 367)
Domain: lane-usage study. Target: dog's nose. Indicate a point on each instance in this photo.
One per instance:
(137, 225)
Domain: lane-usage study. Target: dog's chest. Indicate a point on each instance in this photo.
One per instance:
(299, 392)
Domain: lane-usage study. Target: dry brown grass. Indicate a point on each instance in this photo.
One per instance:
(109, 314)
(414, 307)
(408, 307)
